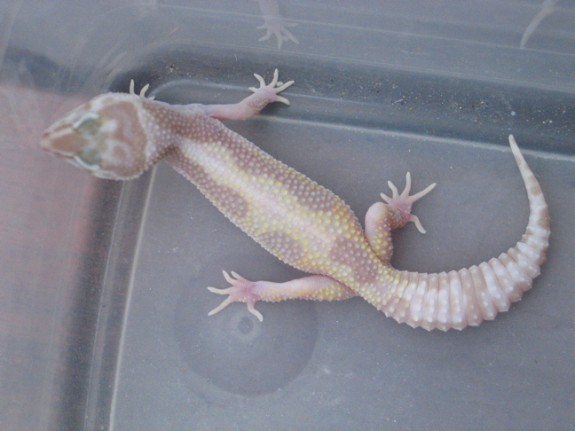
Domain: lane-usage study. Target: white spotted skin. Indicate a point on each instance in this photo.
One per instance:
(291, 216)
(305, 225)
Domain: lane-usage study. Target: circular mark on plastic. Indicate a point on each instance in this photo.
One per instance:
(232, 349)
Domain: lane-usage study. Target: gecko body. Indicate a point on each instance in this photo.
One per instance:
(119, 136)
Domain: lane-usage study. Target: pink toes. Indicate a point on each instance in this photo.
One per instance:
(270, 91)
(241, 290)
(403, 202)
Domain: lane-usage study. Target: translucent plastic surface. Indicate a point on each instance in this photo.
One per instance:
(103, 300)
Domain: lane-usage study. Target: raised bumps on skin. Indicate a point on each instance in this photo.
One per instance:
(119, 136)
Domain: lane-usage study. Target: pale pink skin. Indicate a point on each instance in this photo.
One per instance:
(119, 136)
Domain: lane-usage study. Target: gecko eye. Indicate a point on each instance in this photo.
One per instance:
(89, 158)
(88, 125)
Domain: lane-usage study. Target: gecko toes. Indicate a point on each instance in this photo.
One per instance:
(241, 290)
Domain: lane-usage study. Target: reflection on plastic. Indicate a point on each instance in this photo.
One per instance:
(233, 351)
(274, 24)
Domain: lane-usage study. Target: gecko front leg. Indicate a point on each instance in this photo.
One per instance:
(253, 104)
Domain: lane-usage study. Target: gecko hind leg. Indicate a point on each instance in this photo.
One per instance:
(381, 218)
(241, 290)
(312, 287)
(254, 103)
(403, 202)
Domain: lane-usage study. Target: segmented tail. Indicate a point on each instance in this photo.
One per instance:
(457, 299)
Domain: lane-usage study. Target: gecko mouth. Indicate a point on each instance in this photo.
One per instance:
(79, 162)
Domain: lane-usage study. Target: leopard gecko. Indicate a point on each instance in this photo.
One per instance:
(118, 136)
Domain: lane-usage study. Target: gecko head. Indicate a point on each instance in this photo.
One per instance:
(103, 136)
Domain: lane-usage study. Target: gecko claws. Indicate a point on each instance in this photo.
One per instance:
(283, 100)
(275, 86)
(415, 220)
(241, 290)
(220, 307)
(404, 201)
(252, 310)
(261, 81)
(142, 91)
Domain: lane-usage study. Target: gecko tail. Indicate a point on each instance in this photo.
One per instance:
(457, 299)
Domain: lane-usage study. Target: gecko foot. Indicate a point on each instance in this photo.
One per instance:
(241, 290)
(403, 202)
(142, 91)
(272, 89)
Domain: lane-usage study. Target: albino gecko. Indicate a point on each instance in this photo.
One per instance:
(119, 136)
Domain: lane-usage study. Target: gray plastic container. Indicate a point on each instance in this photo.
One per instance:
(103, 300)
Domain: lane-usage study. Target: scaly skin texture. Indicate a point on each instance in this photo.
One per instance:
(119, 136)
